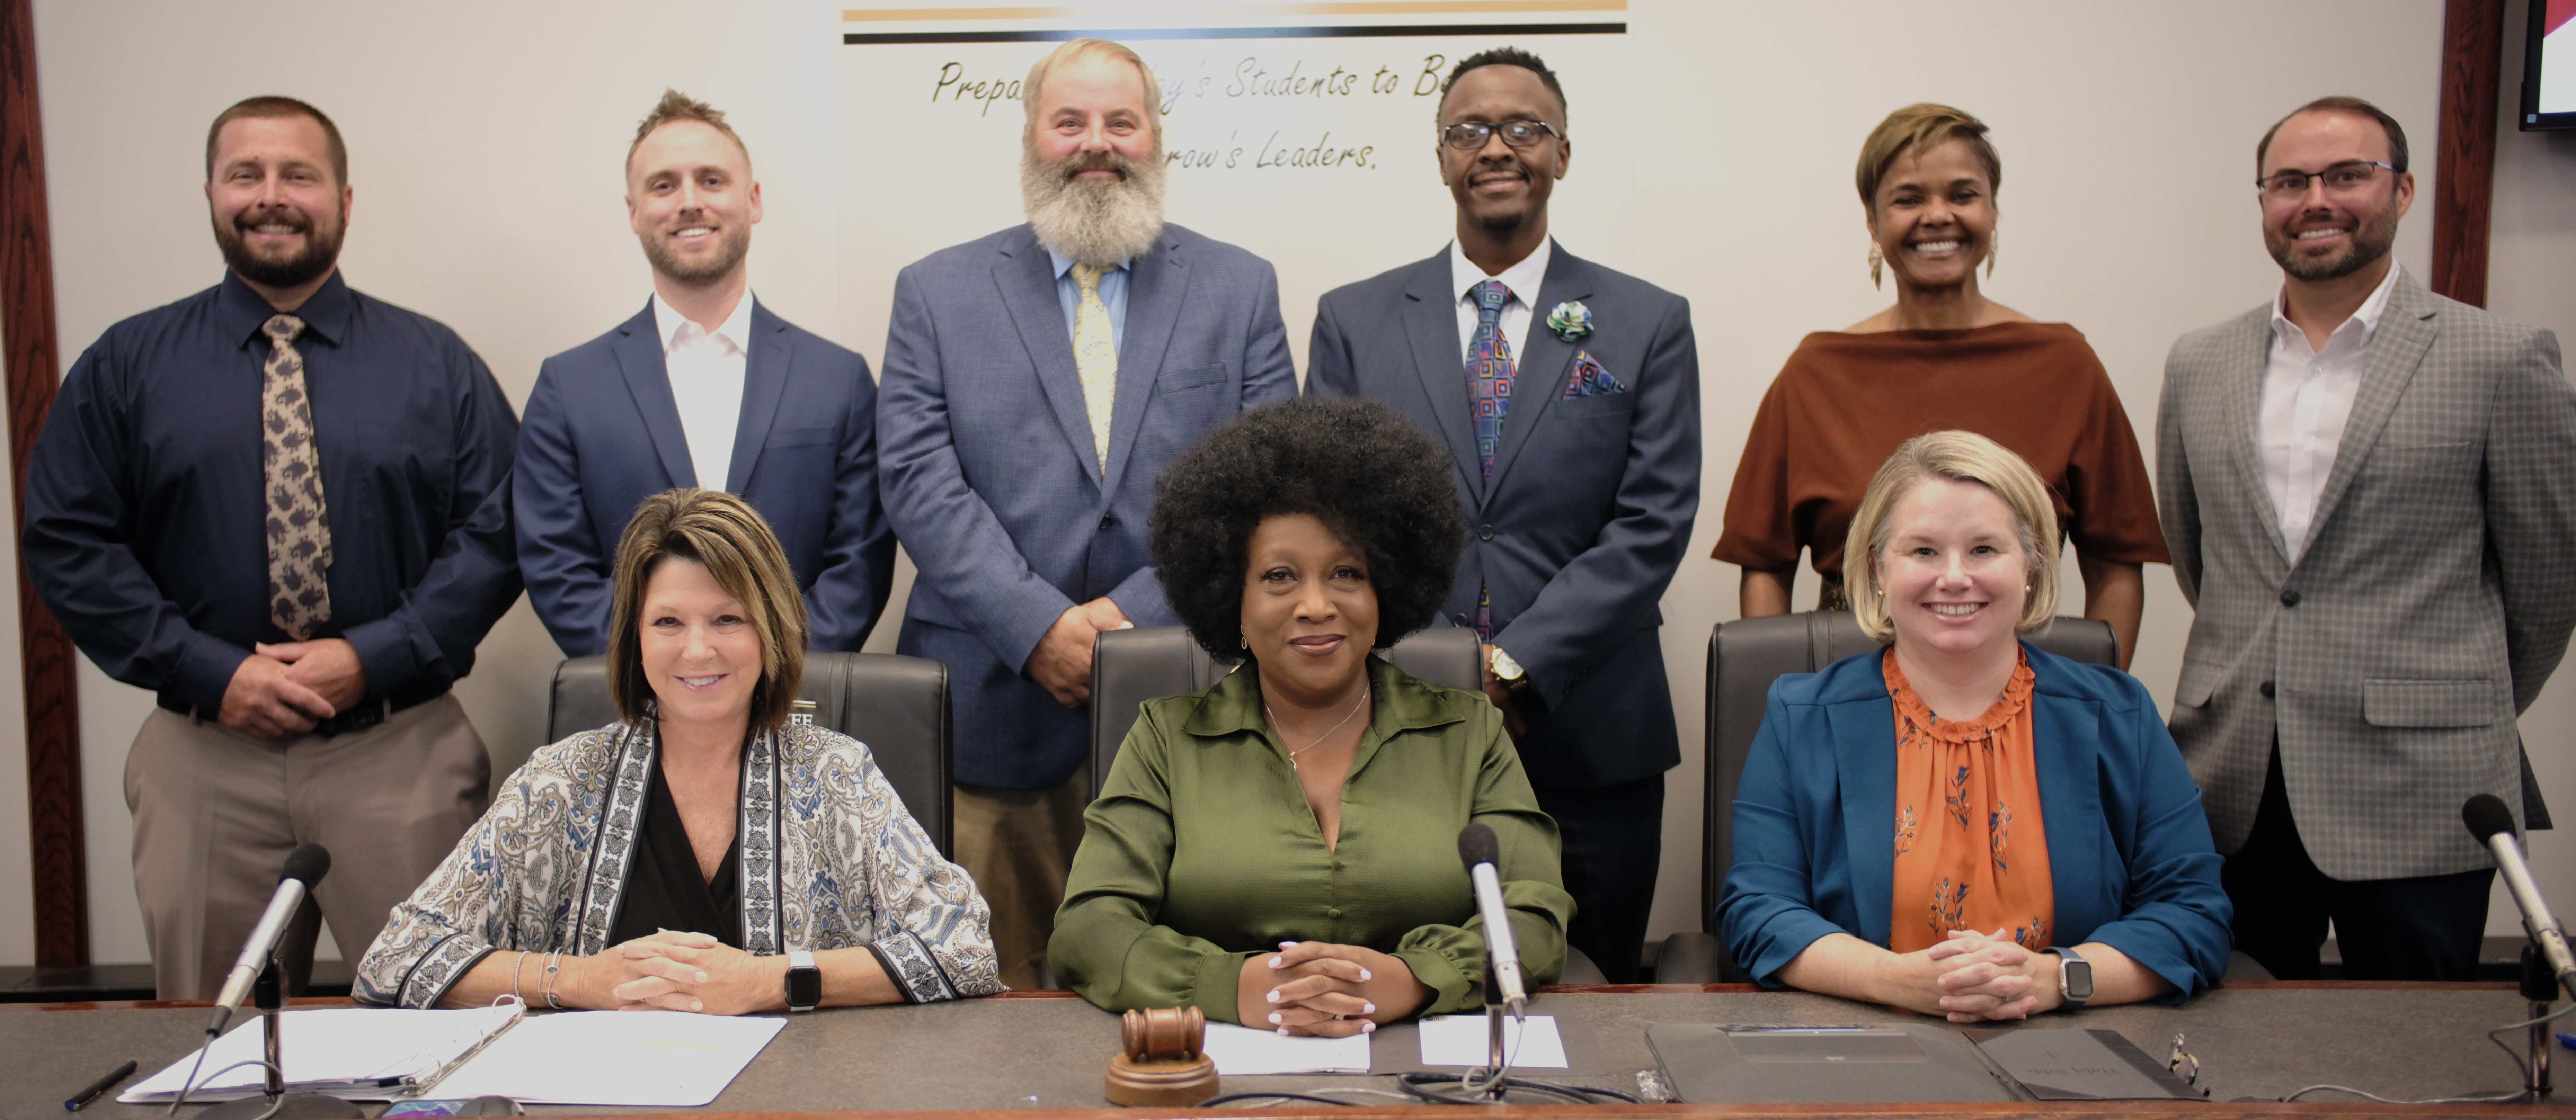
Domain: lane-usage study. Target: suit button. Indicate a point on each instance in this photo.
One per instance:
(1333, 912)
(1484, 532)
(2289, 596)
(1109, 522)
(1462, 620)
(2267, 690)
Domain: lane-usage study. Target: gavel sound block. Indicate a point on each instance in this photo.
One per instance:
(1161, 1062)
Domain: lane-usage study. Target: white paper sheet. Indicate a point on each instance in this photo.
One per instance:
(330, 1049)
(1244, 1052)
(1459, 1040)
(626, 1059)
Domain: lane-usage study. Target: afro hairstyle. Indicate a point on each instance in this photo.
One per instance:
(1369, 475)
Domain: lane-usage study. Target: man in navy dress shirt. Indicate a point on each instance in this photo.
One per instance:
(280, 505)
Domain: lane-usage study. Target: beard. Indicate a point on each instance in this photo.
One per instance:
(1098, 223)
(2371, 238)
(735, 245)
(321, 248)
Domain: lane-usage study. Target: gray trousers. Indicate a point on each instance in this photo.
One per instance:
(216, 812)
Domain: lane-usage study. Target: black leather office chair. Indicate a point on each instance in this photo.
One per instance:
(898, 706)
(1129, 667)
(1744, 657)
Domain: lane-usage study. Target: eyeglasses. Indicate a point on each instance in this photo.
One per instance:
(1467, 136)
(2342, 178)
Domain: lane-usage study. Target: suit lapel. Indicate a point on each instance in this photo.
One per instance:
(1026, 277)
(764, 381)
(1431, 325)
(2406, 330)
(1864, 735)
(1157, 283)
(1539, 373)
(648, 380)
(2067, 734)
(2249, 362)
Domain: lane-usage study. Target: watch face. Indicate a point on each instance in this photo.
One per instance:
(804, 986)
(2079, 980)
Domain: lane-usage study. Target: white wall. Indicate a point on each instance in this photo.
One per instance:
(486, 139)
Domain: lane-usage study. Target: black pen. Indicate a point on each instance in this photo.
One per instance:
(99, 1086)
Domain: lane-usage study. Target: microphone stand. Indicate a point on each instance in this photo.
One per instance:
(2541, 988)
(1497, 1057)
(268, 995)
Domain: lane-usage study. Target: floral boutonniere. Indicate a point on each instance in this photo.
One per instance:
(1570, 321)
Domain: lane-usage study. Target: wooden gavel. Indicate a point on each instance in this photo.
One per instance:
(1162, 1060)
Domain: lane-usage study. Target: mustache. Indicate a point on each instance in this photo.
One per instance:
(1080, 162)
(248, 220)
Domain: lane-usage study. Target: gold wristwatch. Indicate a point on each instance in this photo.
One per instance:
(1507, 670)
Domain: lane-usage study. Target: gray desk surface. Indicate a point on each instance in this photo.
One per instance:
(1048, 1054)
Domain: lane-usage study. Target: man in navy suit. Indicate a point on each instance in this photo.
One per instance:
(1569, 396)
(1037, 382)
(705, 388)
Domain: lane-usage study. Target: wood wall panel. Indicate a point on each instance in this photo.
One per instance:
(2464, 147)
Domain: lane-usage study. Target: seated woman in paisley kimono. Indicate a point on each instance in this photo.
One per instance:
(691, 854)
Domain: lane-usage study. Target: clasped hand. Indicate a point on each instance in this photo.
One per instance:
(1320, 988)
(674, 970)
(1061, 663)
(1987, 976)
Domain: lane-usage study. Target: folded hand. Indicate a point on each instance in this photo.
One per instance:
(1986, 976)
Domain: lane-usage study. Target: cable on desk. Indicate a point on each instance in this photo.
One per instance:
(2495, 1097)
(1426, 1086)
(193, 1083)
(1275, 1095)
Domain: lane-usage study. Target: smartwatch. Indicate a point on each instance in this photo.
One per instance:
(1507, 670)
(804, 981)
(2074, 978)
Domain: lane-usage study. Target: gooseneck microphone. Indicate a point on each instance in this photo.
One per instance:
(2492, 824)
(1480, 851)
(305, 866)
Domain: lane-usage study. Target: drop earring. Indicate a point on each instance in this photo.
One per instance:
(1875, 260)
(1993, 238)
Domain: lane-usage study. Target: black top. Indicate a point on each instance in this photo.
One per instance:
(664, 889)
(144, 508)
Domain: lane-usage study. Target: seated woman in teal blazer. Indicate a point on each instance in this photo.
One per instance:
(1899, 802)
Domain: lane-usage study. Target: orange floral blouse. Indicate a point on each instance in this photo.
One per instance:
(1971, 850)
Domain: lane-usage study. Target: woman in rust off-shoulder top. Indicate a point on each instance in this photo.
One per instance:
(1944, 357)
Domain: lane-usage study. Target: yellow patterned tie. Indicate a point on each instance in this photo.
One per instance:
(299, 529)
(1095, 353)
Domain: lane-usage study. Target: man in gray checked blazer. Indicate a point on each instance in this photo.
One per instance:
(2365, 487)
(1037, 382)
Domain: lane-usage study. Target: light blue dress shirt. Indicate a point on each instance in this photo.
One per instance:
(1113, 295)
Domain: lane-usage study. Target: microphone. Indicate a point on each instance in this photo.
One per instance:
(1478, 849)
(2492, 824)
(305, 866)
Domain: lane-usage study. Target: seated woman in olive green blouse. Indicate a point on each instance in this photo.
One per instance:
(1281, 849)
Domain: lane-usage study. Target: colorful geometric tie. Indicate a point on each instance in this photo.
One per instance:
(299, 531)
(1489, 370)
(1095, 354)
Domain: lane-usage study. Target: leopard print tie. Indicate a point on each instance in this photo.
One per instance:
(299, 532)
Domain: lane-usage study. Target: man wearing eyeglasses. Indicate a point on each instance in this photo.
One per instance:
(2363, 487)
(1568, 395)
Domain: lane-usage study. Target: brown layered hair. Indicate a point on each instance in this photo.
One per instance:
(678, 106)
(723, 533)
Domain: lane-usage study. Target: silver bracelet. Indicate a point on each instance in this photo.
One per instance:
(515, 969)
(554, 964)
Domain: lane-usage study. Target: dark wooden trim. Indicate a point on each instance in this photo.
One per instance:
(47, 662)
(2464, 168)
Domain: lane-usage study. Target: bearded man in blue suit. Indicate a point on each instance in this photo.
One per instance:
(704, 387)
(1037, 381)
(1576, 435)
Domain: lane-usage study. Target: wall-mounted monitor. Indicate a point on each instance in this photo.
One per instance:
(2549, 67)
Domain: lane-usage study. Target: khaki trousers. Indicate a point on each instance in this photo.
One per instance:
(216, 812)
(1018, 845)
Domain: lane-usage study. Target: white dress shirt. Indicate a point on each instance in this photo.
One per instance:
(2307, 397)
(1522, 279)
(706, 371)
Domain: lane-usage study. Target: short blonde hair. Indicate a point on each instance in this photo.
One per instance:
(724, 533)
(1921, 128)
(675, 107)
(1960, 457)
(1076, 49)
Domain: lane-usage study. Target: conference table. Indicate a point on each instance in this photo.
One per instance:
(1044, 1053)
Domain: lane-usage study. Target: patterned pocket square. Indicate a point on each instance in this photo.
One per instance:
(1589, 379)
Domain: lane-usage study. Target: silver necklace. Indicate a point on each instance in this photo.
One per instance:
(1319, 740)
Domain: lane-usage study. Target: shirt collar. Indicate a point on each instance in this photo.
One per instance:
(1523, 278)
(1064, 264)
(325, 316)
(735, 329)
(2368, 315)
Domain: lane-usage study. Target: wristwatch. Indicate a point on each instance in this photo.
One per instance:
(2074, 978)
(1507, 670)
(804, 981)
